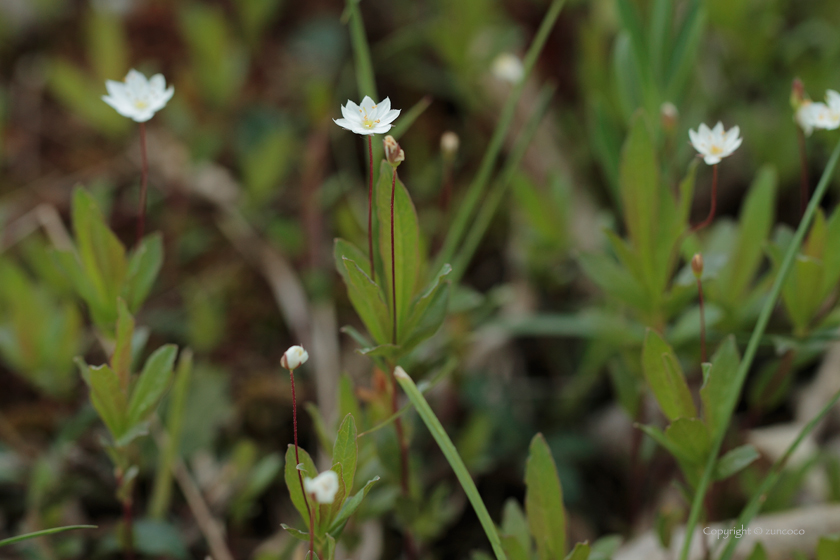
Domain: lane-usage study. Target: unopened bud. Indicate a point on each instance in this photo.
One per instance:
(393, 153)
(669, 114)
(449, 144)
(697, 265)
(508, 68)
(798, 97)
(294, 357)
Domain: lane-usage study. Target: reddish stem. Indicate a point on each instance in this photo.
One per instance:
(128, 529)
(370, 209)
(702, 323)
(294, 426)
(711, 215)
(144, 176)
(804, 194)
(393, 265)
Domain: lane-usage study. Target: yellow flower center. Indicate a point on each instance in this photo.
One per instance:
(140, 104)
(715, 150)
(367, 122)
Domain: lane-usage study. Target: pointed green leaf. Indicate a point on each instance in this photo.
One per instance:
(152, 383)
(691, 436)
(293, 483)
(515, 525)
(407, 243)
(107, 398)
(659, 437)
(143, 268)
(580, 552)
(349, 508)
(427, 312)
(346, 449)
(296, 533)
(544, 501)
(665, 377)
(366, 298)
(735, 460)
(718, 383)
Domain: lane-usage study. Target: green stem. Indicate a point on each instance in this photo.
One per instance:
(27, 536)
(754, 506)
(477, 187)
(752, 347)
(361, 52)
(451, 454)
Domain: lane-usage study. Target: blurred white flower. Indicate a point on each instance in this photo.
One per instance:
(507, 67)
(294, 357)
(369, 117)
(138, 98)
(324, 487)
(820, 115)
(449, 143)
(715, 144)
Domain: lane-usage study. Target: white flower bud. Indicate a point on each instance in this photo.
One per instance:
(294, 357)
(393, 152)
(508, 68)
(449, 144)
(323, 487)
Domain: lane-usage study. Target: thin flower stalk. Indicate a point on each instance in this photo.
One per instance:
(370, 209)
(292, 359)
(697, 269)
(144, 179)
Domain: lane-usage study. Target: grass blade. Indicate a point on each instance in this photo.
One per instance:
(455, 461)
(45, 532)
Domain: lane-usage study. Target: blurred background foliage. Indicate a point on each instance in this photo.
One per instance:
(246, 164)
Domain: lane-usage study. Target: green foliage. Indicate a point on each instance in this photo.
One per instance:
(665, 378)
(100, 269)
(39, 334)
(828, 547)
(544, 501)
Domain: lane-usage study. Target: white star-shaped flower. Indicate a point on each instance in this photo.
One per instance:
(138, 98)
(369, 117)
(715, 144)
(820, 115)
(324, 487)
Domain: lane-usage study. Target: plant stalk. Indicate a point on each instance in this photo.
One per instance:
(712, 208)
(393, 265)
(294, 427)
(703, 354)
(144, 177)
(803, 173)
(370, 209)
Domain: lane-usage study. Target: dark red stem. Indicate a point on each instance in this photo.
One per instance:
(128, 528)
(804, 190)
(702, 323)
(144, 177)
(370, 209)
(711, 215)
(294, 427)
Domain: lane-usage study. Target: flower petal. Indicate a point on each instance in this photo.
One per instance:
(367, 104)
(389, 116)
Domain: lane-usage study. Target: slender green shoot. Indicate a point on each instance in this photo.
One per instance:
(494, 198)
(754, 506)
(361, 51)
(455, 461)
(476, 189)
(752, 347)
(45, 532)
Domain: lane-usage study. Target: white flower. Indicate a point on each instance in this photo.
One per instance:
(449, 143)
(369, 117)
(323, 487)
(294, 357)
(507, 67)
(715, 144)
(820, 115)
(138, 98)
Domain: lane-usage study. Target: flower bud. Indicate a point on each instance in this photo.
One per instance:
(323, 487)
(669, 114)
(294, 357)
(449, 144)
(508, 68)
(797, 94)
(393, 153)
(697, 265)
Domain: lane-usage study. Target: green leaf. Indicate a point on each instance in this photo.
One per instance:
(329, 548)
(101, 254)
(580, 552)
(349, 508)
(366, 297)
(121, 360)
(513, 548)
(344, 249)
(407, 254)
(346, 449)
(665, 377)
(616, 281)
(152, 383)
(718, 381)
(428, 312)
(143, 268)
(347, 402)
(691, 436)
(828, 548)
(735, 461)
(296, 533)
(659, 437)
(107, 398)
(544, 501)
(515, 525)
(293, 483)
(639, 187)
